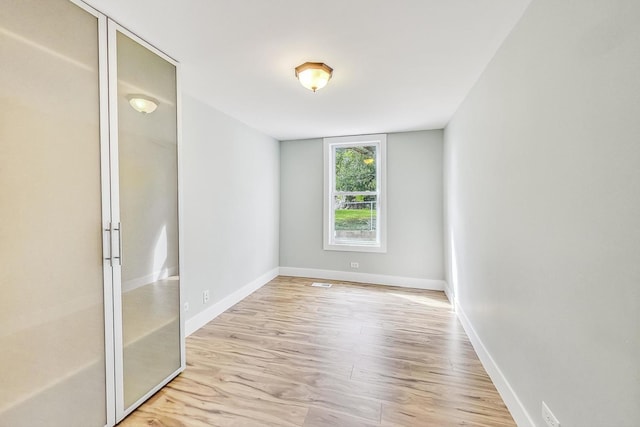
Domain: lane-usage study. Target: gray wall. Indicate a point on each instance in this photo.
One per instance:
(230, 196)
(414, 192)
(542, 172)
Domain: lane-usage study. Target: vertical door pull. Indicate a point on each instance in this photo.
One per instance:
(107, 232)
(118, 228)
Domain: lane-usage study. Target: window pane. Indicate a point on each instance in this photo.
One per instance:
(355, 219)
(356, 168)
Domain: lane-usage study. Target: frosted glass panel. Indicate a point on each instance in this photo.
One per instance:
(52, 354)
(147, 144)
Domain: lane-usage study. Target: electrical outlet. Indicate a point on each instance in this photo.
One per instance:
(205, 296)
(186, 307)
(355, 265)
(548, 416)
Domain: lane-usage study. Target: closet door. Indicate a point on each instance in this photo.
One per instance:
(144, 111)
(52, 267)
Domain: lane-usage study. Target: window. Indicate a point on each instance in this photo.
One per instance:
(354, 196)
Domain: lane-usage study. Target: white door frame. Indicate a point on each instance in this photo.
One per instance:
(120, 410)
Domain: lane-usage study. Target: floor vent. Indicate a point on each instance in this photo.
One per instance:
(321, 285)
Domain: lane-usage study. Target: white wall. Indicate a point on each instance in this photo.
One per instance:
(230, 196)
(542, 172)
(414, 192)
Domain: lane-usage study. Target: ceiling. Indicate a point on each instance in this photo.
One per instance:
(398, 65)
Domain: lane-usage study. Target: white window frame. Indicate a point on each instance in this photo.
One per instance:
(330, 144)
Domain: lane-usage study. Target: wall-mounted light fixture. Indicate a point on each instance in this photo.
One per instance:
(142, 103)
(314, 75)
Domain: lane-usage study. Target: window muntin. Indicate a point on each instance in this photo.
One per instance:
(354, 193)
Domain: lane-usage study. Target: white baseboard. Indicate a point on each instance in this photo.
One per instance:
(450, 295)
(132, 284)
(199, 320)
(515, 406)
(376, 279)
(510, 398)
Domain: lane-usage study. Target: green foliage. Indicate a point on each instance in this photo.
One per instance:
(354, 219)
(355, 169)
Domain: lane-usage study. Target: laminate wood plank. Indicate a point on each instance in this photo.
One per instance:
(322, 418)
(200, 399)
(332, 339)
(350, 355)
(287, 348)
(441, 416)
(433, 383)
(305, 316)
(233, 354)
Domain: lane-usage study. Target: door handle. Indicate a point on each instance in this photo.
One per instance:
(107, 235)
(118, 228)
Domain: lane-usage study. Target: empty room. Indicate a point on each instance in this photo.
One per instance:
(288, 213)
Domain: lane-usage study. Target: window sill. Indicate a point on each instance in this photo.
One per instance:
(355, 248)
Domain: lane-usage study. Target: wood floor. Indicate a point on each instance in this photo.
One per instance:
(351, 355)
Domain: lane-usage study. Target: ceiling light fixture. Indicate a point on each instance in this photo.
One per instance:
(143, 103)
(314, 75)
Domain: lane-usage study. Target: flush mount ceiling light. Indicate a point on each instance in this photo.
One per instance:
(314, 75)
(142, 103)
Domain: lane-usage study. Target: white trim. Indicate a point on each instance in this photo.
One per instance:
(183, 296)
(150, 393)
(448, 291)
(329, 144)
(141, 41)
(105, 194)
(107, 233)
(113, 28)
(132, 284)
(87, 8)
(376, 279)
(115, 219)
(199, 320)
(509, 396)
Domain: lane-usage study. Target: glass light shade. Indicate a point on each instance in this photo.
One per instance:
(314, 75)
(143, 104)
